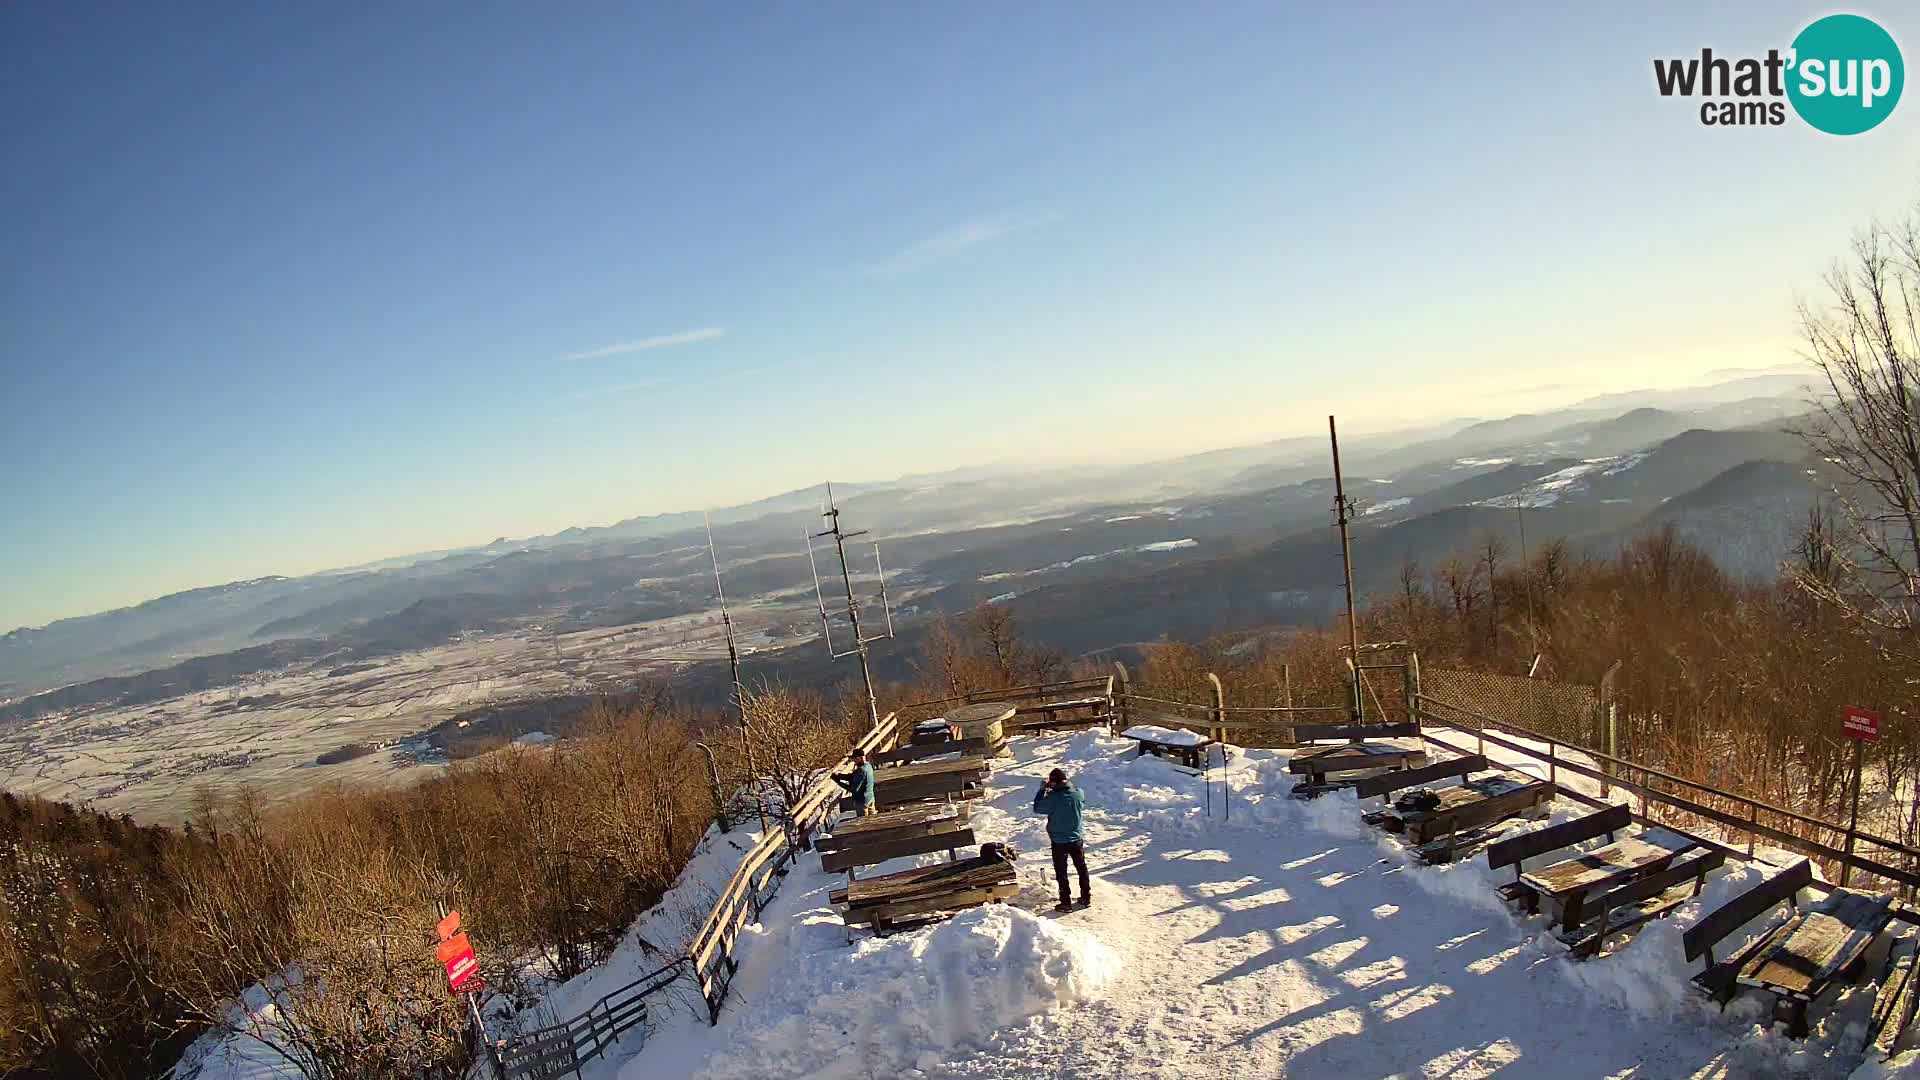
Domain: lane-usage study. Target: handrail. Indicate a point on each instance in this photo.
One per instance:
(1031, 689)
(741, 897)
(1750, 825)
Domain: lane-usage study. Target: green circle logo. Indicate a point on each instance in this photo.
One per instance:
(1846, 74)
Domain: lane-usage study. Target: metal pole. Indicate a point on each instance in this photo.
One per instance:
(1341, 510)
(1853, 819)
(739, 690)
(853, 609)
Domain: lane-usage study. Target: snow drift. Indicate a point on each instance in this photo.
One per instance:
(899, 1005)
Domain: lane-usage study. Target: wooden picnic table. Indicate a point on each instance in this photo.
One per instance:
(924, 890)
(920, 780)
(1473, 803)
(917, 820)
(987, 720)
(1567, 882)
(1189, 747)
(1318, 761)
(1818, 944)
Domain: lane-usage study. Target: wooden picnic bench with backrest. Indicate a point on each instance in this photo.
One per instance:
(1718, 979)
(962, 777)
(1312, 733)
(1651, 897)
(1515, 850)
(907, 755)
(849, 857)
(1387, 783)
(912, 895)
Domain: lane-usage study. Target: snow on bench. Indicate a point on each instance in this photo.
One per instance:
(1164, 736)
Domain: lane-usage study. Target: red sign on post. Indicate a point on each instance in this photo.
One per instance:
(1859, 723)
(463, 971)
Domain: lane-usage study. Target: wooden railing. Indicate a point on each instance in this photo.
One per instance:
(566, 1046)
(754, 882)
(1681, 801)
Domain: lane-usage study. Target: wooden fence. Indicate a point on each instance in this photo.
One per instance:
(711, 956)
(564, 1047)
(1666, 799)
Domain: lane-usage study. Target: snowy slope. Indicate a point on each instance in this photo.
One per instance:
(1288, 941)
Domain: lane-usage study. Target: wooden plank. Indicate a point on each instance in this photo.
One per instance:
(861, 916)
(907, 755)
(1348, 732)
(1374, 786)
(1511, 851)
(879, 851)
(1824, 941)
(1614, 862)
(1745, 908)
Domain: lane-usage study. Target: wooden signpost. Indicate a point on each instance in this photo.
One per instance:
(1862, 726)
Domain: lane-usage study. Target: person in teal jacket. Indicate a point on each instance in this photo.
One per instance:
(1063, 804)
(859, 783)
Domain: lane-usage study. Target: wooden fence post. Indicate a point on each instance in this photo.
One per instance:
(1286, 689)
(1410, 679)
(1219, 709)
(1123, 692)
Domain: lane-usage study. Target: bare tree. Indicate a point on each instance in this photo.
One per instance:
(1865, 343)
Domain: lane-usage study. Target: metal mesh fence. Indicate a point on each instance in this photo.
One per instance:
(1561, 711)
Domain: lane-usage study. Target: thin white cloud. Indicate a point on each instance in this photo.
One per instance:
(663, 341)
(955, 239)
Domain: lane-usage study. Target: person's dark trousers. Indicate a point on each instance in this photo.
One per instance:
(1077, 851)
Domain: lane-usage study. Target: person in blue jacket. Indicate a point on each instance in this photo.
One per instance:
(1063, 804)
(859, 783)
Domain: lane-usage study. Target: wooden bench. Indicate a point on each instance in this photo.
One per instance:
(1474, 813)
(853, 856)
(1718, 978)
(1813, 951)
(913, 896)
(1353, 754)
(1515, 851)
(1567, 884)
(1386, 784)
(1893, 1007)
(1651, 897)
(907, 755)
(1189, 748)
(896, 823)
(940, 779)
(1048, 714)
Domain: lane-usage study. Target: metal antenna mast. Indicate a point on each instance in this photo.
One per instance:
(832, 516)
(1343, 513)
(739, 691)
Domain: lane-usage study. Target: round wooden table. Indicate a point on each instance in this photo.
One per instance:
(986, 720)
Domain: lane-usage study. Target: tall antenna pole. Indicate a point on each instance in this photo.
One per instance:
(739, 691)
(840, 538)
(1342, 513)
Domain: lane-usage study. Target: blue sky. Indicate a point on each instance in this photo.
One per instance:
(290, 289)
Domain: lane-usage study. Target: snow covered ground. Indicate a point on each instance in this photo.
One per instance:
(1288, 940)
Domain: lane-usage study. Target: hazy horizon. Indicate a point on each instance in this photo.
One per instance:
(299, 290)
(1356, 427)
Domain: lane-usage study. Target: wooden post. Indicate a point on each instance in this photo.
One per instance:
(1853, 819)
(1219, 709)
(1753, 819)
(1123, 709)
(1553, 763)
(1410, 677)
(1286, 689)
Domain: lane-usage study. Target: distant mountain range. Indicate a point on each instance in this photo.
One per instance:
(1094, 554)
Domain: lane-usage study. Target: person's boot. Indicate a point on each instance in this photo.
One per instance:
(1085, 901)
(1063, 907)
